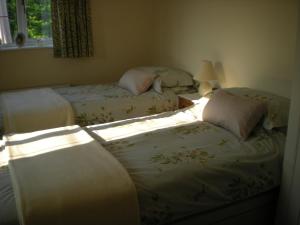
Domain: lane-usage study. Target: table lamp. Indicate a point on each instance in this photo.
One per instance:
(206, 75)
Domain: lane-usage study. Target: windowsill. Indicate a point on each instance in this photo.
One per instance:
(29, 45)
(16, 48)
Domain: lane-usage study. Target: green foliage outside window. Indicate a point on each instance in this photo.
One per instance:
(12, 14)
(38, 18)
(38, 15)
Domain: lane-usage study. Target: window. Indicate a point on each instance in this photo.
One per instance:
(25, 23)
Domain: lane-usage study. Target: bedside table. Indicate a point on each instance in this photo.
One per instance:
(186, 100)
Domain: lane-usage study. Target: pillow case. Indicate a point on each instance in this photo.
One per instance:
(157, 85)
(277, 106)
(171, 77)
(234, 113)
(184, 90)
(136, 81)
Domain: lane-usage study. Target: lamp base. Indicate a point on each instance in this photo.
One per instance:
(204, 88)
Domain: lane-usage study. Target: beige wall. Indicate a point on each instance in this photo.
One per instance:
(254, 41)
(122, 39)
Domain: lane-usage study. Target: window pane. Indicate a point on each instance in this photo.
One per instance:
(38, 13)
(12, 15)
(8, 21)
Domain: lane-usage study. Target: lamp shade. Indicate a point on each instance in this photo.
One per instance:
(207, 72)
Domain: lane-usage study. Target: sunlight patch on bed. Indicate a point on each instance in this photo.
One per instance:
(41, 142)
(201, 103)
(166, 120)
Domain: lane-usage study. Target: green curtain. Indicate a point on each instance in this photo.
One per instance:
(71, 26)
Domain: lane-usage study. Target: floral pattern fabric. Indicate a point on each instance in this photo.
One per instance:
(278, 106)
(171, 77)
(182, 166)
(94, 104)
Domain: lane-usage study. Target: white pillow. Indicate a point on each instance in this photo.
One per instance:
(136, 81)
(171, 77)
(234, 113)
(157, 85)
(278, 106)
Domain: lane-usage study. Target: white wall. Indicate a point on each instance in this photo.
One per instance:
(254, 41)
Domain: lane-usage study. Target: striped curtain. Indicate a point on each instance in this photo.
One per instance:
(71, 28)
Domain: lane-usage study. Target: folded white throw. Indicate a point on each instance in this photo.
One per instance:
(64, 177)
(35, 109)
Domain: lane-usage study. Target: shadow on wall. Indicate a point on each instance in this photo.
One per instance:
(219, 70)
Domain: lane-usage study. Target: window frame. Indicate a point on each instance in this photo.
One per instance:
(21, 17)
(30, 43)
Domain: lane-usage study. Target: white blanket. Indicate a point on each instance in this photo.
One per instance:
(63, 176)
(35, 109)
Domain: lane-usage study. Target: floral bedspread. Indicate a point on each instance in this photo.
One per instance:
(94, 104)
(182, 166)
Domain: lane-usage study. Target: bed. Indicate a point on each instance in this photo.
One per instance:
(94, 104)
(201, 169)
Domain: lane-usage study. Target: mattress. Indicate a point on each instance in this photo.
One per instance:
(182, 166)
